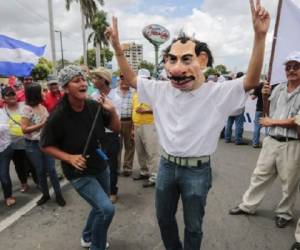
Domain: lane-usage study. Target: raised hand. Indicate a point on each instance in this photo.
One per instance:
(106, 103)
(112, 34)
(260, 18)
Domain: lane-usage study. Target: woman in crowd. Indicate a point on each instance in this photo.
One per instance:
(34, 116)
(5, 157)
(12, 110)
(65, 136)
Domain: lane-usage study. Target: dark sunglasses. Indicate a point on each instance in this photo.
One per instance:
(295, 67)
(9, 94)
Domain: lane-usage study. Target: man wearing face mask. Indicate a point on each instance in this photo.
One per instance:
(189, 116)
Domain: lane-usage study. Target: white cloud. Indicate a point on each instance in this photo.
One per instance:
(224, 25)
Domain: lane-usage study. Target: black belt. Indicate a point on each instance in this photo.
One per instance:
(126, 119)
(283, 139)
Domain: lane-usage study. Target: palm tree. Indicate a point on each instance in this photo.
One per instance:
(88, 8)
(99, 24)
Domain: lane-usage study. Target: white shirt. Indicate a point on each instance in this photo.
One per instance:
(114, 97)
(189, 123)
(5, 139)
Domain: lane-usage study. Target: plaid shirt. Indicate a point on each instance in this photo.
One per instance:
(126, 103)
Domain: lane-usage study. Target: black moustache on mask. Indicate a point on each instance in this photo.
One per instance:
(181, 78)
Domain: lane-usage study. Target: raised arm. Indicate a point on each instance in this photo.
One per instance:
(112, 35)
(261, 23)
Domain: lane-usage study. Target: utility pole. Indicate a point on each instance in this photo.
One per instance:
(52, 38)
(83, 37)
(61, 48)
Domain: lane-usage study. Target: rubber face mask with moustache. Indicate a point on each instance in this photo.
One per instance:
(184, 68)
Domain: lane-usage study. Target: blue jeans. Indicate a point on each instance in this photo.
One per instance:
(239, 128)
(44, 165)
(257, 127)
(5, 157)
(111, 147)
(192, 184)
(95, 190)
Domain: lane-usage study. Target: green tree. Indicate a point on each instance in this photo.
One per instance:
(40, 72)
(210, 71)
(108, 54)
(99, 25)
(147, 65)
(43, 60)
(221, 69)
(88, 9)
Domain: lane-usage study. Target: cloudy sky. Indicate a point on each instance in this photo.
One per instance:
(224, 25)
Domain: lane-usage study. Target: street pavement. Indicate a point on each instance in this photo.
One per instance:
(134, 226)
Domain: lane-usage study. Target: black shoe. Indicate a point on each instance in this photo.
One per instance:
(148, 184)
(43, 200)
(238, 211)
(241, 143)
(296, 246)
(256, 146)
(282, 222)
(126, 173)
(140, 177)
(60, 200)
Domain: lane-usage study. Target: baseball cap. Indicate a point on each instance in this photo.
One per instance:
(294, 56)
(51, 79)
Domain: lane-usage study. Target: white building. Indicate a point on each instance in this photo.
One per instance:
(134, 54)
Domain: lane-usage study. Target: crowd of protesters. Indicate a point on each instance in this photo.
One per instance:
(38, 127)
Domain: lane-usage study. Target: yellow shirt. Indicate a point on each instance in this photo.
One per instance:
(14, 125)
(137, 118)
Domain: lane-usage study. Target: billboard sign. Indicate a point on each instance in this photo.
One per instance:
(156, 34)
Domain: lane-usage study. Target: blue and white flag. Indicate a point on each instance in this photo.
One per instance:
(18, 58)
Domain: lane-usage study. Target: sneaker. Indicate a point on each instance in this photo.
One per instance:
(296, 246)
(148, 183)
(60, 200)
(126, 173)
(106, 247)
(43, 200)
(84, 243)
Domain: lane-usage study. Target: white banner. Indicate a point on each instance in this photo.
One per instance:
(288, 39)
(249, 115)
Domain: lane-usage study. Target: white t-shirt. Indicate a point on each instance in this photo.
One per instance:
(5, 139)
(189, 123)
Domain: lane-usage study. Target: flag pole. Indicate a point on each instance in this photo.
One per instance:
(265, 97)
(274, 38)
